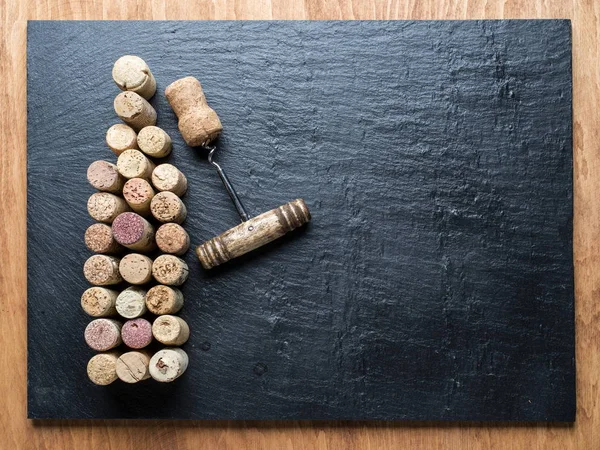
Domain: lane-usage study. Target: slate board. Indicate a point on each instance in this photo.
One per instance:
(436, 278)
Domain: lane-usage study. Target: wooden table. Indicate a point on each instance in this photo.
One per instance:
(18, 432)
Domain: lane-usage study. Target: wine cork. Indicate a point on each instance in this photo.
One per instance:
(130, 303)
(99, 239)
(167, 177)
(99, 302)
(102, 368)
(172, 238)
(198, 122)
(131, 73)
(162, 300)
(136, 333)
(136, 268)
(104, 207)
(134, 232)
(154, 141)
(138, 194)
(168, 364)
(170, 330)
(133, 367)
(134, 110)
(102, 270)
(103, 334)
(170, 270)
(133, 164)
(121, 137)
(167, 207)
(104, 176)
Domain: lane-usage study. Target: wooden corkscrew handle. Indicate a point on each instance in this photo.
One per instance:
(254, 233)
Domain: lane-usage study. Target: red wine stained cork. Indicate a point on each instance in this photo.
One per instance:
(168, 364)
(131, 73)
(134, 232)
(103, 334)
(134, 164)
(198, 122)
(164, 300)
(154, 141)
(172, 238)
(104, 176)
(138, 194)
(99, 302)
(167, 177)
(104, 207)
(136, 268)
(99, 239)
(167, 207)
(130, 303)
(102, 270)
(121, 137)
(170, 270)
(133, 367)
(102, 368)
(171, 330)
(134, 110)
(136, 333)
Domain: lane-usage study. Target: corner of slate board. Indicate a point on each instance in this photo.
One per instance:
(435, 281)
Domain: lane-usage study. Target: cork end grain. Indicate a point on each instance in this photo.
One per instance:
(104, 176)
(138, 194)
(134, 110)
(136, 268)
(162, 300)
(99, 239)
(172, 238)
(104, 206)
(121, 137)
(166, 177)
(134, 164)
(102, 270)
(99, 302)
(137, 333)
(154, 141)
(168, 364)
(131, 73)
(170, 270)
(102, 368)
(167, 207)
(103, 334)
(170, 330)
(128, 228)
(130, 303)
(133, 367)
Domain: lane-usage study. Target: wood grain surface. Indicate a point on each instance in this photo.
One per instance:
(17, 432)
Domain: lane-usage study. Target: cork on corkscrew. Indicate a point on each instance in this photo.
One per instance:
(200, 126)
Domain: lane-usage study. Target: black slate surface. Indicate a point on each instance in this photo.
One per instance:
(435, 280)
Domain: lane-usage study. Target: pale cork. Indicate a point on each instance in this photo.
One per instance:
(104, 176)
(121, 137)
(131, 73)
(134, 164)
(103, 334)
(170, 270)
(134, 110)
(102, 270)
(104, 206)
(99, 239)
(133, 367)
(167, 207)
(170, 330)
(198, 123)
(130, 303)
(167, 177)
(154, 141)
(138, 194)
(102, 368)
(172, 238)
(164, 300)
(136, 268)
(168, 364)
(99, 302)
(134, 232)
